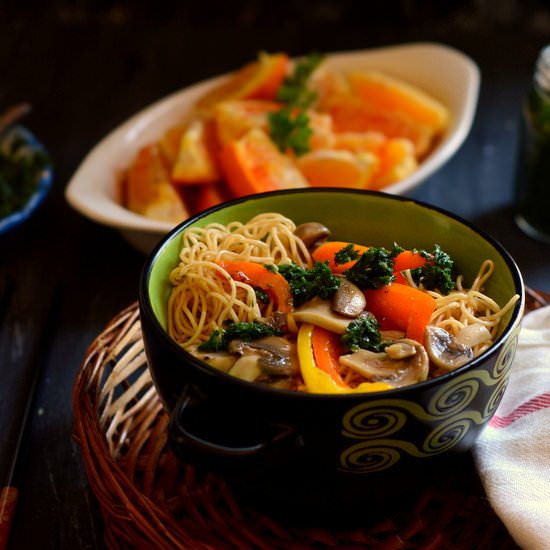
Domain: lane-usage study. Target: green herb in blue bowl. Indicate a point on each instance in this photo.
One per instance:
(26, 176)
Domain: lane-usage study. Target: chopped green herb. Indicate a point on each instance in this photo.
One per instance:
(364, 333)
(346, 254)
(305, 284)
(20, 167)
(219, 339)
(437, 273)
(373, 269)
(289, 129)
(396, 250)
(261, 295)
(294, 90)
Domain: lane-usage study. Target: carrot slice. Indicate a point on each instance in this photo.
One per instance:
(403, 306)
(257, 275)
(326, 350)
(327, 250)
(407, 259)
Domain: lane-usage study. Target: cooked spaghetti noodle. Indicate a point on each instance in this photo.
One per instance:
(206, 296)
(466, 306)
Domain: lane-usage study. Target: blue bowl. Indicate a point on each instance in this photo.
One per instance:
(44, 178)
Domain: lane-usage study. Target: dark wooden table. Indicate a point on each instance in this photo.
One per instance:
(86, 67)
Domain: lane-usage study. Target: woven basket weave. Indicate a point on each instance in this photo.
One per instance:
(150, 499)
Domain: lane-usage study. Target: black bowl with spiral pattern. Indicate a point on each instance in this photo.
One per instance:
(317, 451)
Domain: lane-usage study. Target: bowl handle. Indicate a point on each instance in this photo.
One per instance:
(199, 429)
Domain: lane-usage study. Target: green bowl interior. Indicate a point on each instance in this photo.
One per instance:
(363, 218)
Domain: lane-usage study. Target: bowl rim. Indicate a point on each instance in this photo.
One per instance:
(43, 184)
(85, 195)
(146, 309)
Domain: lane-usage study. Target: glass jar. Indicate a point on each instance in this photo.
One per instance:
(533, 162)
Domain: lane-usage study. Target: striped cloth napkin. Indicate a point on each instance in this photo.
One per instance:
(513, 453)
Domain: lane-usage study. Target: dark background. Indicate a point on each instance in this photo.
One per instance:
(86, 67)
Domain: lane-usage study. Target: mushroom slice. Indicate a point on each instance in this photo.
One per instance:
(246, 368)
(400, 350)
(275, 355)
(407, 363)
(312, 234)
(220, 360)
(444, 350)
(349, 300)
(318, 312)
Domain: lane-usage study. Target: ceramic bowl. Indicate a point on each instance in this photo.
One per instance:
(43, 178)
(444, 72)
(258, 434)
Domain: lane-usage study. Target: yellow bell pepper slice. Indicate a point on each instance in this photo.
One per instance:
(318, 381)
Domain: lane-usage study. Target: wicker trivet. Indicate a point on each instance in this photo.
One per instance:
(149, 499)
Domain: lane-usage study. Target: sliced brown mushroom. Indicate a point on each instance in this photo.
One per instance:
(274, 355)
(349, 300)
(318, 312)
(403, 363)
(312, 234)
(444, 351)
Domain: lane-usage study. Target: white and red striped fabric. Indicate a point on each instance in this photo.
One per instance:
(513, 453)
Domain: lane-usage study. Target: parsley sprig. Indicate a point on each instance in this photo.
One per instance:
(20, 169)
(289, 129)
(364, 333)
(305, 284)
(289, 126)
(346, 254)
(437, 273)
(219, 339)
(373, 269)
(294, 91)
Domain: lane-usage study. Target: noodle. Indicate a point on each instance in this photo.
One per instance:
(204, 294)
(464, 307)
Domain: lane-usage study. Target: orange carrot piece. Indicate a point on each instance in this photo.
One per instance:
(408, 308)
(257, 275)
(406, 260)
(327, 250)
(326, 350)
